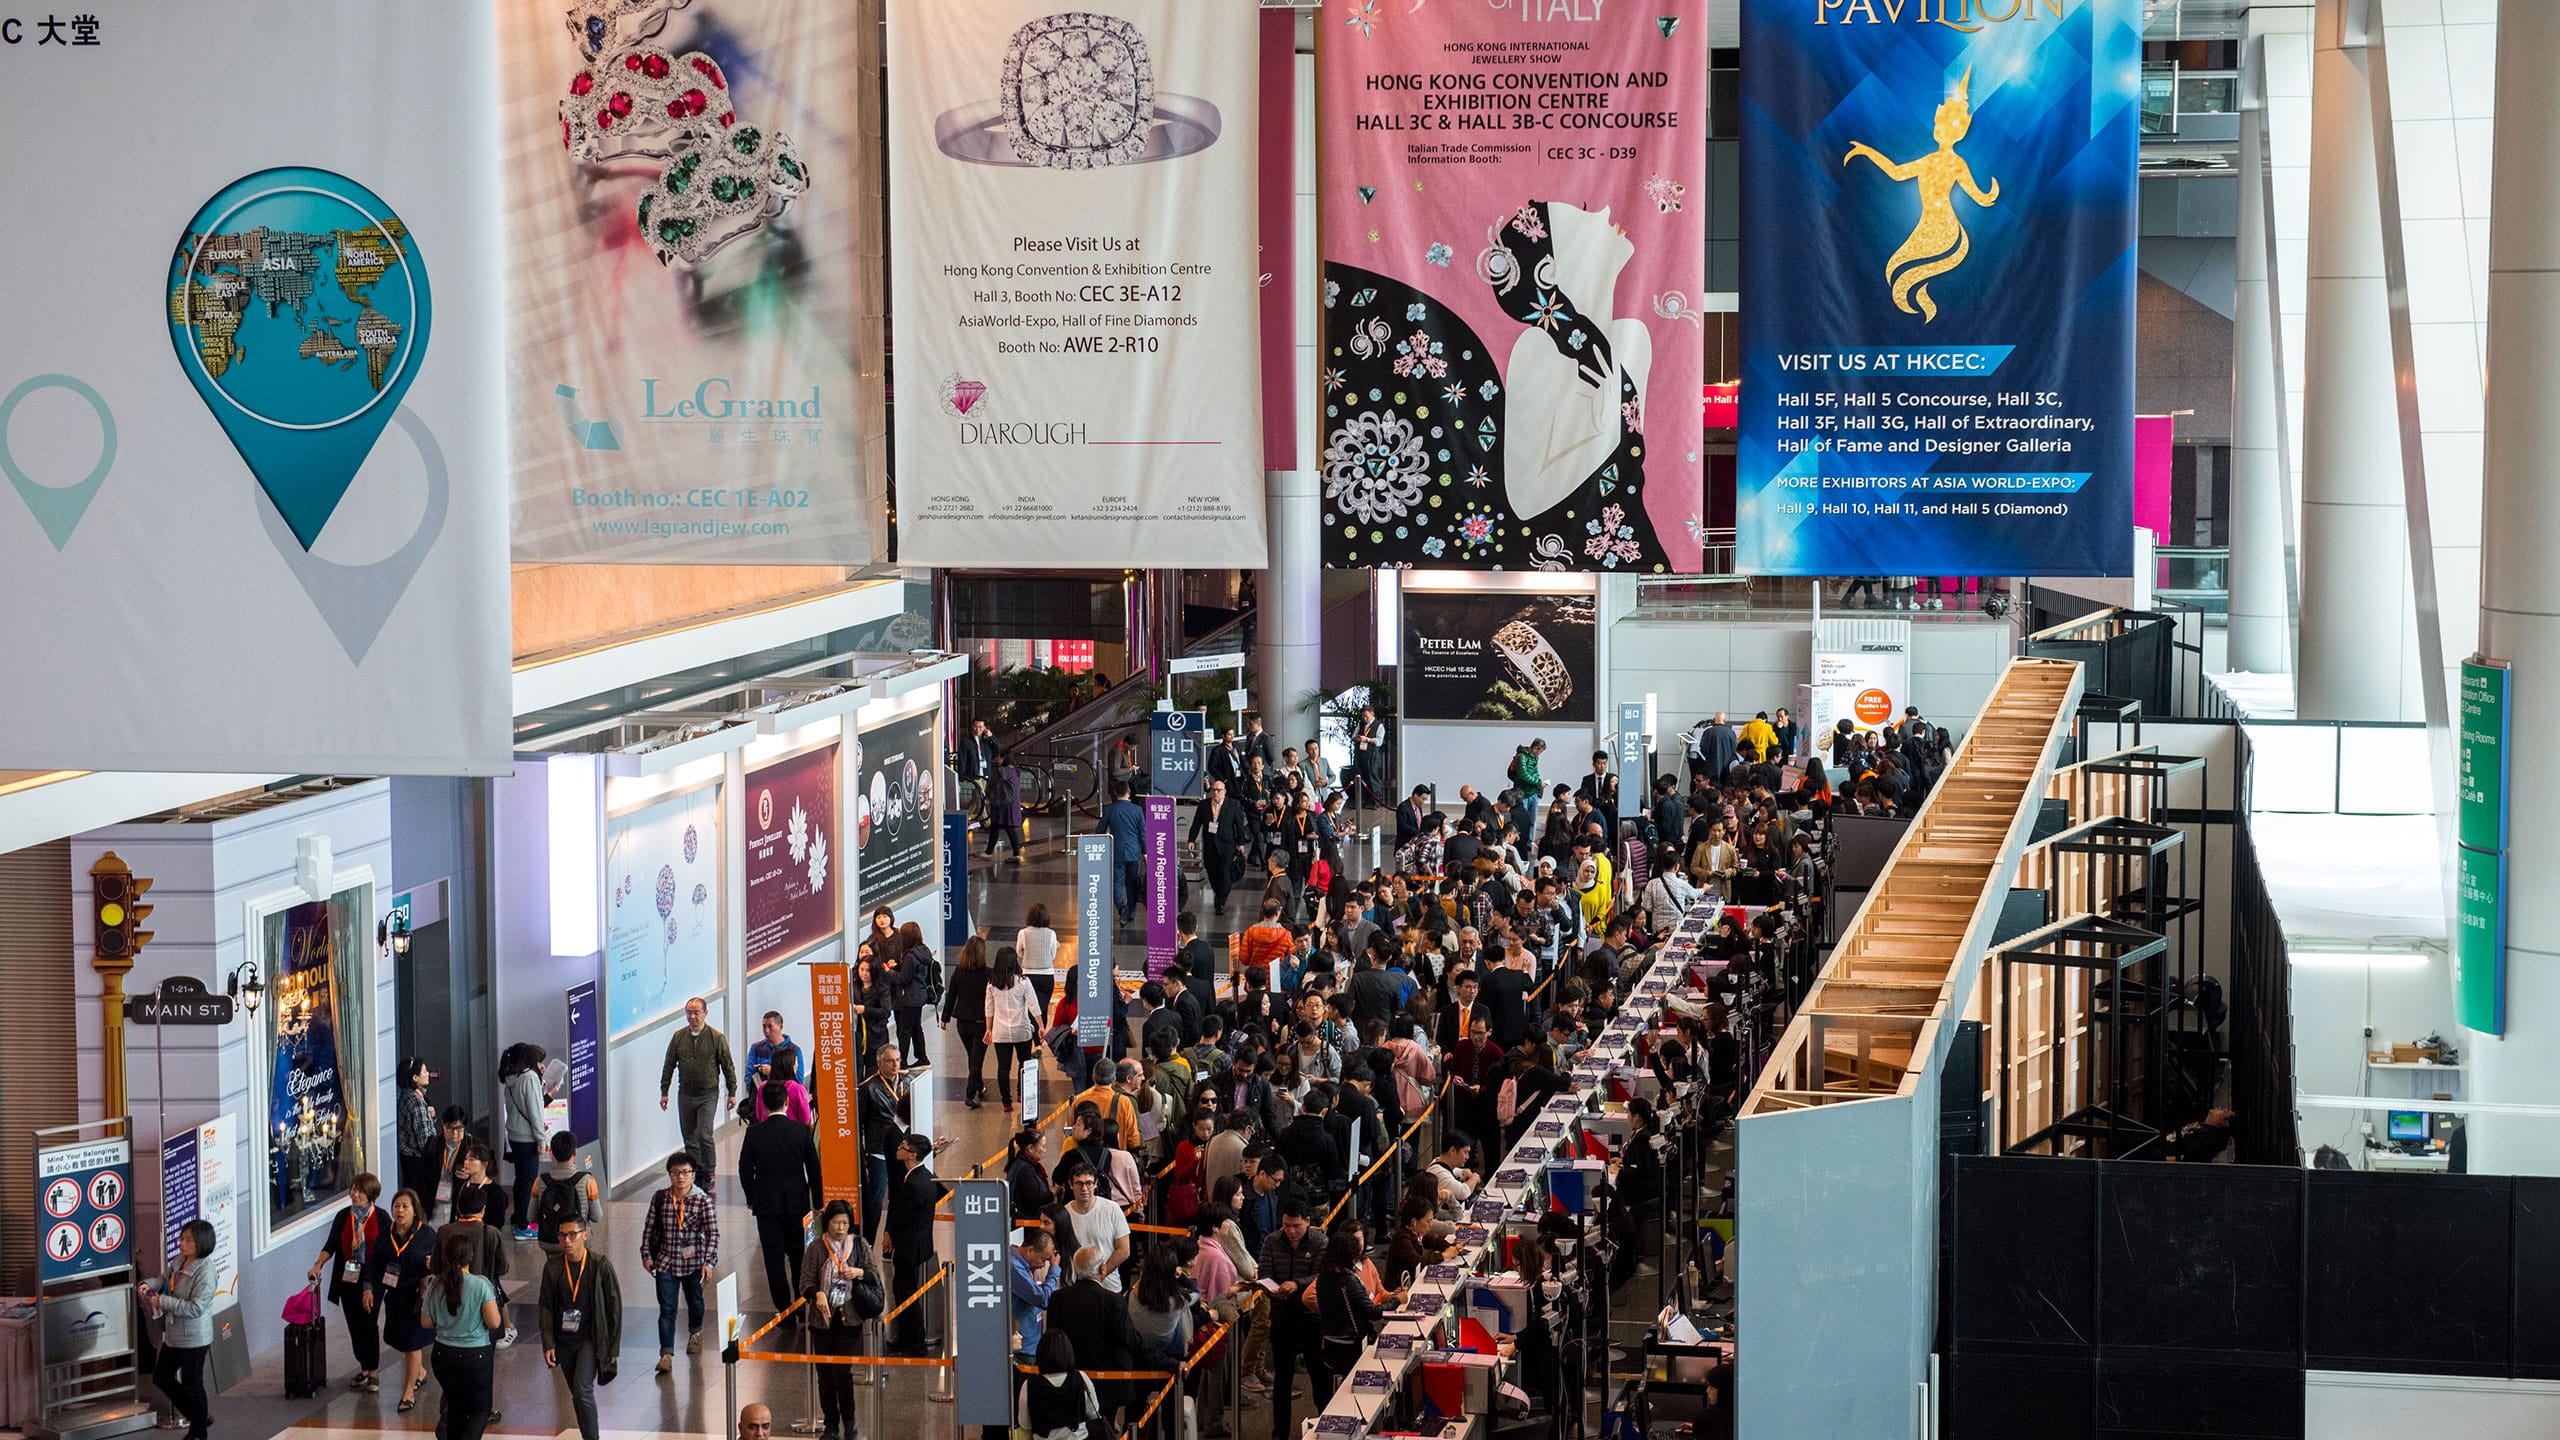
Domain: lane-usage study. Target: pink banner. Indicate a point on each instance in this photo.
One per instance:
(1279, 202)
(1515, 249)
(2152, 437)
(1164, 885)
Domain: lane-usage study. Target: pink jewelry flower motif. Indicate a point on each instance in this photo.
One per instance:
(1664, 192)
(1332, 379)
(1475, 527)
(1634, 411)
(1414, 357)
(1612, 539)
(1363, 18)
(1526, 221)
(1548, 311)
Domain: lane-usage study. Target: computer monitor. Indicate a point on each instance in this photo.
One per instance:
(2406, 1125)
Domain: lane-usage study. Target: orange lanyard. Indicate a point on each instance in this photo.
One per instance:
(676, 1202)
(577, 1282)
(400, 1247)
(355, 1232)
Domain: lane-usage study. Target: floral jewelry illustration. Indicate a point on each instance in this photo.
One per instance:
(1077, 91)
(1938, 244)
(724, 177)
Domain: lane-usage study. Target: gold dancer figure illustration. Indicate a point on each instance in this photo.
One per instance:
(1938, 243)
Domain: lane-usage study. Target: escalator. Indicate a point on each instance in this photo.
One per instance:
(1065, 761)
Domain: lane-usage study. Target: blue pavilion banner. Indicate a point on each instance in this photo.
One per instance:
(1938, 265)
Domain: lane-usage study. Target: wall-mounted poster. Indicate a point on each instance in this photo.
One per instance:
(1514, 265)
(662, 907)
(313, 1145)
(1499, 655)
(793, 855)
(252, 418)
(1937, 375)
(685, 203)
(1078, 302)
(897, 806)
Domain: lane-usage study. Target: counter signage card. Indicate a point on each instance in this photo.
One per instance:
(1398, 1346)
(1369, 1380)
(1514, 206)
(1488, 1212)
(1081, 302)
(1943, 217)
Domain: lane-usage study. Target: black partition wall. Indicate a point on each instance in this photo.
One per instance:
(2128, 1298)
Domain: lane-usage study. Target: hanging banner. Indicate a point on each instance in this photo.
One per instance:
(586, 1096)
(897, 816)
(982, 1306)
(251, 419)
(955, 880)
(1077, 306)
(2480, 862)
(1515, 245)
(1093, 940)
(1499, 655)
(833, 1081)
(1164, 884)
(685, 204)
(1938, 372)
(1278, 199)
(792, 855)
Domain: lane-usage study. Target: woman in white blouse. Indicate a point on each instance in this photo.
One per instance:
(1037, 944)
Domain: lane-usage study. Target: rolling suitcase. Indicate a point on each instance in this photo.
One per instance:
(306, 1358)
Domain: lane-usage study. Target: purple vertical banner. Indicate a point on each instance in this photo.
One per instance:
(1278, 196)
(1164, 884)
(586, 1118)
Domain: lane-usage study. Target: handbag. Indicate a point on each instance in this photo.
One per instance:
(303, 1306)
(866, 1297)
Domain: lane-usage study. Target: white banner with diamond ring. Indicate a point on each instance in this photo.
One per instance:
(1076, 282)
(251, 423)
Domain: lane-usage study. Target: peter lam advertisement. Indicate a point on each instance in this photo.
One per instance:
(1078, 303)
(1499, 656)
(1514, 264)
(1939, 376)
(792, 855)
(251, 416)
(683, 215)
(896, 808)
(662, 912)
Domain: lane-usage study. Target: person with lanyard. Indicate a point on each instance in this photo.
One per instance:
(348, 1272)
(462, 1308)
(679, 1241)
(407, 1246)
(182, 1301)
(453, 1142)
(881, 1119)
(840, 1280)
(581, 1303)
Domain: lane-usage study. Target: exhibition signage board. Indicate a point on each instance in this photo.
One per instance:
(684, 206)
(793, 859)
(2480, 869)
(955, 881)
(1866, 682)
(251, 419)
(1631, 776)
(1093, 940)
(1079, 305)
(897, 807)
(1163, 884)
(196, 1166)
(832, 1080)
(84, 1209)
(1938, 373)
(662, 917)
(1513, 203)
(586, 1050)
(1175, 739)
(1499, 655)
(981, 1302)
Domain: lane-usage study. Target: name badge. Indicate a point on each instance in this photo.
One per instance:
(390, 1277)
(570, 1319)
(351, 1272)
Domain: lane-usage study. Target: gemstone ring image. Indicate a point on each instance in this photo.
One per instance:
(1077, 91)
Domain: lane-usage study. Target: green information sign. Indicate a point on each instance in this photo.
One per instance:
(2483, 765)
(2480, 886)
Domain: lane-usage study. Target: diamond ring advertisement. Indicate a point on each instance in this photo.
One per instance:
(1078, 92)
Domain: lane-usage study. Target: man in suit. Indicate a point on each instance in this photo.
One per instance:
(1601, 789)
(1226, 758)
(1258, 741)
(1369, 752)
(1713, 753)
(778, 1170)
(1199, 961)
(977, 757)
(1411, 815)
(909, 1231)
(1670, 813)
(1506, 993)
(1126, 823)
(1223, 833)
(1459, 1011)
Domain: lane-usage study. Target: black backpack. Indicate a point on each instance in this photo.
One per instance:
(561, 1201)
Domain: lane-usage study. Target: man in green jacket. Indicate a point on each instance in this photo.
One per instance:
(1524, 779)
(706, 1083)
(581, 1302)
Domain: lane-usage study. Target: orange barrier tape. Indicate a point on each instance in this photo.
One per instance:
(929, 1362)
(1198, 1352)
(772, 1324)
(1372, 1172)
(921, 1291)
(979, 1170)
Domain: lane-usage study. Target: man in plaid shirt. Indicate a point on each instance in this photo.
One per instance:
(680, 1240)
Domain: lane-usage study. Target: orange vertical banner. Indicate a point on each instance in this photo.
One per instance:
(832, 1071)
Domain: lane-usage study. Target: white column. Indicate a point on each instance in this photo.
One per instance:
(1291, 638)
(2261, 634)
(2359, 658)
(2520, 586)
